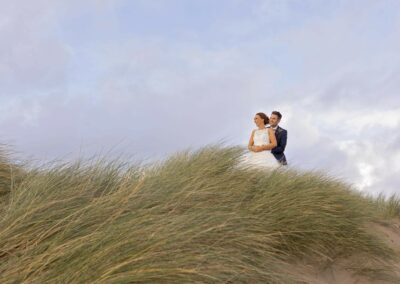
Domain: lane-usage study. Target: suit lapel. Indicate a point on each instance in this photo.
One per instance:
(278, 132)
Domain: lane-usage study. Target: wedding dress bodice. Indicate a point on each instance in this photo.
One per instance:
(263, 159)
(261, 137)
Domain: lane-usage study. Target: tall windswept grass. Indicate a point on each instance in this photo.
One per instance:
(386, 207)
(10, 174)
(5, 173)
(195, 217)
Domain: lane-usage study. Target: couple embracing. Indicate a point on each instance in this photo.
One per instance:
(267, 142)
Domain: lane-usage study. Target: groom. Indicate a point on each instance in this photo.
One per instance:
(281, 137)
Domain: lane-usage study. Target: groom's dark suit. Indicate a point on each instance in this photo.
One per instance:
(281, 139)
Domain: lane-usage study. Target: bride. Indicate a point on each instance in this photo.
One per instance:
(262, 140)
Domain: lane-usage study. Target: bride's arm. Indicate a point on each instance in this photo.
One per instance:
(272, 144)
(251, 141)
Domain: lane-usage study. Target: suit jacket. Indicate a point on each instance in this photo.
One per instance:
(281, 139)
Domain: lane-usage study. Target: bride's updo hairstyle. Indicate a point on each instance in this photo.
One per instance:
(263, 116)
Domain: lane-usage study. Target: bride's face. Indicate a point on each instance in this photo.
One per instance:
(258, 120)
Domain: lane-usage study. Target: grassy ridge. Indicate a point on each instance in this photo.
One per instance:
(195, 217)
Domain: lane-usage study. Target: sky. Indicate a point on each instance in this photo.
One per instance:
(148, 78)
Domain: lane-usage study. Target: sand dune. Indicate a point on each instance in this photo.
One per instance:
(193, 218)
(338, 272)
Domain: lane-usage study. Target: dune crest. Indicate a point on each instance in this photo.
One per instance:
(193, 218)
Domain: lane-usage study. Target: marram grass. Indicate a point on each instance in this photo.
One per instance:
(193, 218)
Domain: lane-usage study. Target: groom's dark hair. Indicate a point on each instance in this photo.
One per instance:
(263, 116)
(278, 114)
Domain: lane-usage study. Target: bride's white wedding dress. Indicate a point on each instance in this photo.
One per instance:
(260, 160)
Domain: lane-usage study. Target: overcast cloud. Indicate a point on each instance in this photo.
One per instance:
(153, 77)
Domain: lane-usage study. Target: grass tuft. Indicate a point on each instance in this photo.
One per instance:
(194, 217)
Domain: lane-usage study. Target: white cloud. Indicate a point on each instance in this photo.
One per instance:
(32, 58)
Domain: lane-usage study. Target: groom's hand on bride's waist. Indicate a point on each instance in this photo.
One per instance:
(258, 148)
(254, 148)
(265, 147)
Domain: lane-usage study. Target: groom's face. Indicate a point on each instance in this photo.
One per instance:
(273, 120)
